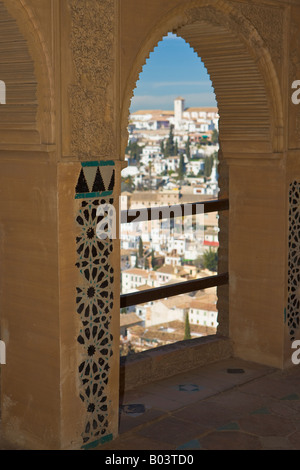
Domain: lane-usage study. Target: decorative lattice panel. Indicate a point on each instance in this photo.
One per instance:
(94, 295)
(293, 311)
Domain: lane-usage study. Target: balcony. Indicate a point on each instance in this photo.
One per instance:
(184, 354)
(227, 405)
(194, 395)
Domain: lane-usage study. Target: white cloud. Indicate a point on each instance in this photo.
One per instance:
(183, 83)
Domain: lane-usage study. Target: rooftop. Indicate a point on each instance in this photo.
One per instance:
(129, 319)
(199, 110)
(201, 305)
(137, 272)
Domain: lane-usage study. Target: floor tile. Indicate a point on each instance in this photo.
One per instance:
(230, 441)
(275, 443)
(210, 409)
(172, 430)
(207, 413)
(128, 423)
(267, 425)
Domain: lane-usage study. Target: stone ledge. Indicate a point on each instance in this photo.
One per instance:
(167, 361)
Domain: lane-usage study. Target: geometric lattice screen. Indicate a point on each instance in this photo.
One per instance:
(293, 311)
(94, 296)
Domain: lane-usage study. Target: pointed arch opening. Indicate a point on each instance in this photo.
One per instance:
(247, 90)
(172, 156)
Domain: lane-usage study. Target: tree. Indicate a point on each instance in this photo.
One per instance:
(134, 150)
(127, 184)
(199, 262)
(188, 148)
(170, 144)
(210, 260)
(152, 259)
(176, 148)
(181, 169)
(208, 166)
(215, 137)
(187, 329)
(141, 248)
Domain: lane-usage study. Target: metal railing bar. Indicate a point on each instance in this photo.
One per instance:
(158, 293)
(158, 213)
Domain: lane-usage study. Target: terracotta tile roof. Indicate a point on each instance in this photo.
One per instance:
(200, 305)
(166, 269)
(136, 272)
(129, 319)
(144, 287)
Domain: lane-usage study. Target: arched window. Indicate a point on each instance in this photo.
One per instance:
(174, 119)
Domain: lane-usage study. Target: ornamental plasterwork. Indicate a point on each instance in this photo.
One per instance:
(92, 95)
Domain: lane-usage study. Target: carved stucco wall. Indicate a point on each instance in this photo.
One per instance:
(92, 93)
(268, 21)
(294, 74)
(92, 103)
(245, 27)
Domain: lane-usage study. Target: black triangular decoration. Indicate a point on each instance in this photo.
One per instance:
(98, 186)
(112, 182)
(82, 186)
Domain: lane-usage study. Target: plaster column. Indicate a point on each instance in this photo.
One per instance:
(257, 257)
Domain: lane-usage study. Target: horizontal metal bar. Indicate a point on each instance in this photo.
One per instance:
(161, 213)
(158, 293)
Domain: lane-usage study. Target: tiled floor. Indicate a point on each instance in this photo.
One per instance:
(228, 405)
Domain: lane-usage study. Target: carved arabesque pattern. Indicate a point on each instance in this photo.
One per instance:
(91, 96)
(268, 21)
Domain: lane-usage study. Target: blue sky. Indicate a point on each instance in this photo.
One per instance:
(173, 70)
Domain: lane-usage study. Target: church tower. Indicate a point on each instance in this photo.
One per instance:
(178, 110)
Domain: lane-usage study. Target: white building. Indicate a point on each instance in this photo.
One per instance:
(151, 150)
(173, 259)
(166, 311)
(133, 278)
(203, 313)
(190, 119)
(194, 167)
(173, 163)
(159, 165)
(178, 245)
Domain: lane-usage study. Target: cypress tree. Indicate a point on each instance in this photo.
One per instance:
(170, 144)
(152, 259)
(187, 329)
(188, 148)
(141, 248)
(181, 169)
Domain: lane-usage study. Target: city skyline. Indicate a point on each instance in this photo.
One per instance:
(173, 69)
